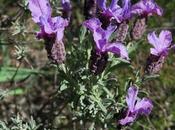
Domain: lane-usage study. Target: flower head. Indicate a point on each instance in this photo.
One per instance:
(101, 38)
(136, 106)
(49, 26)
(160, 44)
(114, 11)
(146, 8)
(51, 29)
(159, 52)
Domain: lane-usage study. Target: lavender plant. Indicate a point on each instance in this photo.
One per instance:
(86, 60)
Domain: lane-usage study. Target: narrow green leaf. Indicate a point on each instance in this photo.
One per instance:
(7, 73)
(83, 31)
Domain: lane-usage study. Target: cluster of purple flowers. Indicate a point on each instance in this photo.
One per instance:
(103, 21)
(115, 18)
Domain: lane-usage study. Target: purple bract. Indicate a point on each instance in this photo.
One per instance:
(161, 44)
(146, 8)
(101, 38)
(136, 106)
(49, 26)
(114, 11)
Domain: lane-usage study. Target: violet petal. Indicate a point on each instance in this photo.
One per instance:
(117, 48)
(144, 106)
(39, 8)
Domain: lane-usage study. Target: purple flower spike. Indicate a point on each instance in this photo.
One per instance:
(161, 46)
(136, 106)
(114, 11)
(161, 43)
(41, 13)
(146, 8)
(51, 29)
(101, 38)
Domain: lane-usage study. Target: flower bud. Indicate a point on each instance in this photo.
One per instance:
(122, 31)
(139, 28)
(154, 64)
(56, 51)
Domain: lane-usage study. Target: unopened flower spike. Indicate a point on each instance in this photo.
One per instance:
(123, 27)
(51, 29)
(99, 55)
(135, 106)
(143, 9)
(159, 52)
